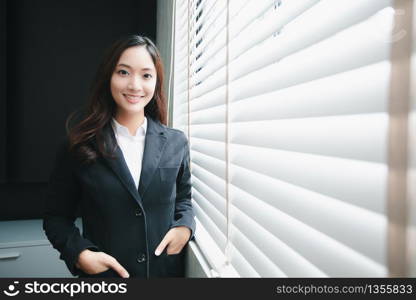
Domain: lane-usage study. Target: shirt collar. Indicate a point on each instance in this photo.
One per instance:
(124, 131)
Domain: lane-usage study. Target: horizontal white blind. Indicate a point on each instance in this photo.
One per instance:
(307, 83)
(206, 46)
(309, 122)
(180, 67)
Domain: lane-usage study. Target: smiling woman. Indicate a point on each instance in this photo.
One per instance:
(136, 217)
(121, 73)
(133, 82)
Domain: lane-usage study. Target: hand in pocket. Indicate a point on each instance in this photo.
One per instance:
(91, 263)
(175, 239)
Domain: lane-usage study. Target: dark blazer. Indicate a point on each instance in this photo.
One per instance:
(118, 219)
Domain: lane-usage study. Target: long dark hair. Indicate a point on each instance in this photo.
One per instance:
(89, 138)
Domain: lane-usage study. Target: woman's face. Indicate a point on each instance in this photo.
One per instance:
(133, 81)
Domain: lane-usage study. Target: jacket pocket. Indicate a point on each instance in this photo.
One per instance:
(175, 264)
(168, 174)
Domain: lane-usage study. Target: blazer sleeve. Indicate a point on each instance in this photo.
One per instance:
(184, 214)
(61, 203)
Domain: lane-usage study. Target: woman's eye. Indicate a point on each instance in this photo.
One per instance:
(148, 76)
(123, 72)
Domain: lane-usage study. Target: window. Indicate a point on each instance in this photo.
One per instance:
(285, 104)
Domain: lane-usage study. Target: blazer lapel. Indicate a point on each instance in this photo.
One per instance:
(154, 144)
(120, 168)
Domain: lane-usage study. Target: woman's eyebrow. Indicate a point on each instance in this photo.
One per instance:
(127, 66)
(123, 65)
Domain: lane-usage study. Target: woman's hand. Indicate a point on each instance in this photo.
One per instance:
(96, 262)
(175, 239)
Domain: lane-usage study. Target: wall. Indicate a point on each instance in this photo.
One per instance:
(53, 49)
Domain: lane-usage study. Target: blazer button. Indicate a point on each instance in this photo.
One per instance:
(141, 258)
(138, 213)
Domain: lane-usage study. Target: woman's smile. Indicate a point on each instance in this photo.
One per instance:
(133, 98)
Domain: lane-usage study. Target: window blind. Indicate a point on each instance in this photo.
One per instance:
(199, 45)
(180, 66)
(286, 103)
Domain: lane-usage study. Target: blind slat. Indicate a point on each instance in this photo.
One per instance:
(290, 263)
(216, 216)
(353, 48)
(350, 225)
(211, 164)
(352, 181)
(332, 257)
(359, 137)
(209, 226)
(254, 256)
(209, 194)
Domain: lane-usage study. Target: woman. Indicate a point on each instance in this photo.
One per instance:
(125, 172)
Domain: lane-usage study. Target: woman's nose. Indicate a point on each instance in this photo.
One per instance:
(135, 83)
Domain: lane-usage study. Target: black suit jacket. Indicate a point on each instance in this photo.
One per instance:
(118, 219)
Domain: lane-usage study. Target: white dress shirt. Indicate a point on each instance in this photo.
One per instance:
(132, 147)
